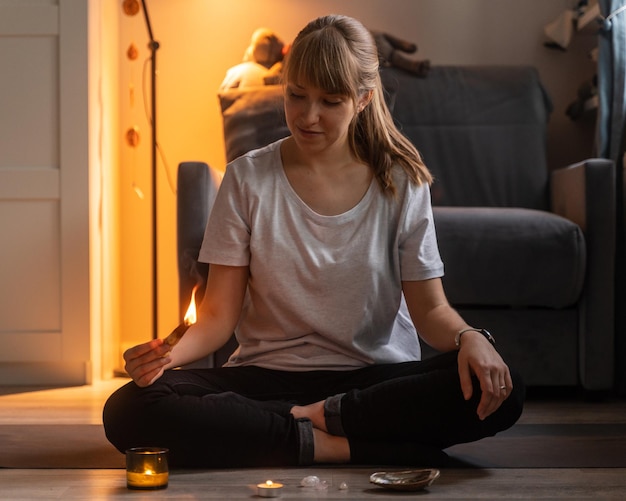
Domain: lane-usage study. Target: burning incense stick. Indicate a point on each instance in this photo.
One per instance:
(177, 334)
(190, 319)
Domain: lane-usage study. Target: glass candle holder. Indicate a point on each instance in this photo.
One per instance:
(146, 468)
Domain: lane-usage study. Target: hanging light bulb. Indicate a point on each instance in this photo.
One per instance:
(130, 7)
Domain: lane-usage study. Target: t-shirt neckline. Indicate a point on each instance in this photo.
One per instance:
(291, 192)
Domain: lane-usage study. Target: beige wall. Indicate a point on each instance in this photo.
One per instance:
(201, 39)
(105, 223)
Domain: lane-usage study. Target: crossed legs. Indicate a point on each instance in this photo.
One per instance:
(413, 416)
(396, 414)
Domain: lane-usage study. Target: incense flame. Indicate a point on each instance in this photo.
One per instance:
(191, 316)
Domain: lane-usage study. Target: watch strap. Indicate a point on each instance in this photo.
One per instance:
(484, 332)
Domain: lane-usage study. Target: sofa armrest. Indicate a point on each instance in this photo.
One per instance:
(197, 185)
(585, 193)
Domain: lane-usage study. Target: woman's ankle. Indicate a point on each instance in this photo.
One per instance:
(329, 448)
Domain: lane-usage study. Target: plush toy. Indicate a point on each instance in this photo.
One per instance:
(266, 48)
(261, 64)
(263, 59)
(393, 51)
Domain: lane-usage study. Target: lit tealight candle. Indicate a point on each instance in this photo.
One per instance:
(269, 489)
(146, 468)
(147, 480)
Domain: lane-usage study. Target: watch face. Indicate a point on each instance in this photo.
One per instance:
(488, 335)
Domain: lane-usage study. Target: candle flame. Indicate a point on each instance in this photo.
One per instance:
(269, 483)
(191, 316)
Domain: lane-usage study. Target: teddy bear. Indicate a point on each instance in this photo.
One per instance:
(393, 51)
(263, 59)
(261, 64)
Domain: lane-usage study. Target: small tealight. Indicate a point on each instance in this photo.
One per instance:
(269, 489)
(343, 486)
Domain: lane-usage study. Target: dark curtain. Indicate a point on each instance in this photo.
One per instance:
(612, 79)
(611, 144)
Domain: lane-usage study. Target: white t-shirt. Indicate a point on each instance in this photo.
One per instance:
(324, 291)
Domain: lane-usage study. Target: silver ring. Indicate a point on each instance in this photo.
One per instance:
(503, 387)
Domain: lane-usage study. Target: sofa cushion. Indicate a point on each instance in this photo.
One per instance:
(510, 257)
(252, 118)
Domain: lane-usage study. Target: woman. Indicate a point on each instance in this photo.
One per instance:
(318, 244)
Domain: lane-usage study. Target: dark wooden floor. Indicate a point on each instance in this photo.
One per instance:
(84, 406)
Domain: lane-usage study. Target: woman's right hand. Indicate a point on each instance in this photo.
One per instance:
(146, 362)
(217, 317)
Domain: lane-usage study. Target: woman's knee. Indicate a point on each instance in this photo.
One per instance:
(119, 413)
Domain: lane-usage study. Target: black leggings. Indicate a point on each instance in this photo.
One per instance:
(403, 414)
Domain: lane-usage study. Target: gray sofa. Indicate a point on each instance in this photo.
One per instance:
(529, 254)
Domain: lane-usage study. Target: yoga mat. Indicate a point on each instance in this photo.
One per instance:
(547, 446)
(57, 446)
(523, 446)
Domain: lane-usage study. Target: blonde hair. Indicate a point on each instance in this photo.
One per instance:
(338, 54)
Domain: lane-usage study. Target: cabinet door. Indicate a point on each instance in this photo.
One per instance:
(44, 186)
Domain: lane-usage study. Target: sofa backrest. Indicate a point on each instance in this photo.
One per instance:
(480, 129)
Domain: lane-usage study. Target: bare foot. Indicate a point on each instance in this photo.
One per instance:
(314, 412)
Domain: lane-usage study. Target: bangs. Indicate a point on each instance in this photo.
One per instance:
(323, 60)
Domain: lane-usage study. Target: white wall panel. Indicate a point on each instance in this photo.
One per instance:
(44, 193)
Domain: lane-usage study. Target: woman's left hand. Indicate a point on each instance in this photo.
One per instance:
(435, 320)
(478, 357)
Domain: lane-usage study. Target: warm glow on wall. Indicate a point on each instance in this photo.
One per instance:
(201, 39)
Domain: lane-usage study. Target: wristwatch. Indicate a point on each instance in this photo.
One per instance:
(484, 332)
